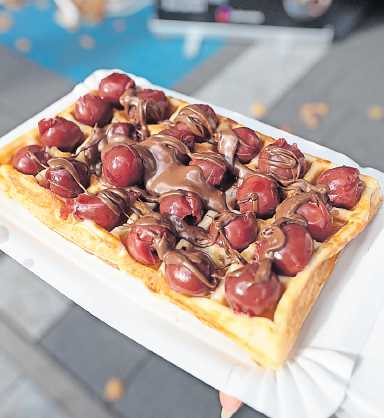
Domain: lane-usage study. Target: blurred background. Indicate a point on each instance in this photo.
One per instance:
(311, 67)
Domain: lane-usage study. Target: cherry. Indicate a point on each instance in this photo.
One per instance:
(93, 208)
(61, 182)
(344, 184)
(199, 119)
(113, 86)
(157, 105)
(258, 194)
(250, 295)
(189, 272)
(249, 145)
(185, 205)
(92, 110)
(318, 218)
(240, 232)
(296, 252)
(61, 133)
(213, 166)
(144, 240)
(122, 165)
(182, 135)
(283, 161)
(122, 129)
(30, 159)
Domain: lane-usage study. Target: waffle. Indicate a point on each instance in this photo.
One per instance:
(267, 340)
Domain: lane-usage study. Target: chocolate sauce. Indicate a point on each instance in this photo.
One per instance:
(191, 262)
(280, 158)
(169, 174)
(66, 164)
(117, 199)
(199, 122)
(288, 208)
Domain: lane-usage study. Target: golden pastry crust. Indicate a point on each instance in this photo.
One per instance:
(268, 341)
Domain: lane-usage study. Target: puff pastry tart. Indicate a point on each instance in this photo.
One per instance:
(240, 229)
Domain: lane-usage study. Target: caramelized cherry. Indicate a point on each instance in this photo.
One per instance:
(344, 184)
(282, 161)
(249, 145)
(122, 165)
(241, 231)
(212, 165)
(318, 218)
(93, 208)
(61, 182)
(113, 86)
(247, 294)
(296, 252)
(189, 272)
(143, 242)
(61, 133)
(30, 159)
(258, 194)
(185, 205)
(93, 110)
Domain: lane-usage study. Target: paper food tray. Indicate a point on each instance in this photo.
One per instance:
(313, 382)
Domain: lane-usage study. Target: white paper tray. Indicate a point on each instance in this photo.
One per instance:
(312, 384)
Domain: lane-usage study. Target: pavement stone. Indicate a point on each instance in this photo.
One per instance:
(349, 84)
(57, 383)
(163, 390)
(9, 372)
(26, 88)
(27, 301)
(26, 400)
(92, 350)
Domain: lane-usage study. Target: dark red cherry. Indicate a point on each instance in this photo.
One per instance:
(61, 133)
(282, 161)
(157, 105)
(249, 145)
(212, 165)
(122, 165)
(344, 184)
(319, 219)
(199, 119)
(122, 129)
(93, 110)
(61, 182)
(241, 231)
(297, 250)
(182, 135)
(143, 242)
(185, 205)
(250, 295)
(258, 194)
(113, 86)
(30, 159)
(93, 208)
(189, 272)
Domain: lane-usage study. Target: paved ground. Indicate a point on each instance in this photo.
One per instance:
(55, 358)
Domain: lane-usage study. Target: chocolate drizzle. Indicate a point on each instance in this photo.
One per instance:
(191, 262)
(169, 174)
(217, 235)
(288, 208)
(67, 164)
(117, 199)
(201, 123)
(277, 158)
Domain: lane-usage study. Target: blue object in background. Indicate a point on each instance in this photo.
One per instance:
(123, 42)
